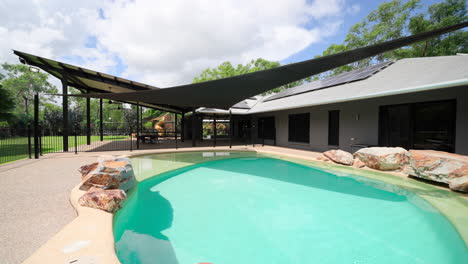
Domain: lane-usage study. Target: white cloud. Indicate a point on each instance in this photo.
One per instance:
(163, 42)
(353, 9)
(49, 28)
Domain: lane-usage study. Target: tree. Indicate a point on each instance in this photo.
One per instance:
(440, 15)
(130, 118)
(6, 103)
(226, 69)
(53, 119)
(396, 18)
(25, 83)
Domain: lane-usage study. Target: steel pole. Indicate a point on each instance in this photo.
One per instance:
(65, 112)
(36, 126)
(101, 130)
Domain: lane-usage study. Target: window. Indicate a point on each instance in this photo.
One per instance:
(299, 128)
(266, 127)
(425, 125)
(334, 128)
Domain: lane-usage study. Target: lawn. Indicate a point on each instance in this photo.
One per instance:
(16, 148)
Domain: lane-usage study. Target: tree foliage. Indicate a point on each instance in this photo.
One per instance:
(6, 103)
(24, 84)
(226, 69)
(394, 19)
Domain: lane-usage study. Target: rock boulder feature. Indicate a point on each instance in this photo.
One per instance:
(85, 169)
(339, 156)
(323, 158)
(459, 184)
(122, 167)
(383, 158)
(106, 200)
(109, 173)
(358, 163)
(104, 180)
(440, 166)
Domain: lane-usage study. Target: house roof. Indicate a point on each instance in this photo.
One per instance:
(403, 76)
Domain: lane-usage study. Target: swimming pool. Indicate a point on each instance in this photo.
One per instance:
(248, 208)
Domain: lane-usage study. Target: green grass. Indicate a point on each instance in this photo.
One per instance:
(16, 148)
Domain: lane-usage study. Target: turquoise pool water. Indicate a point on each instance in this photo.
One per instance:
(264, 210)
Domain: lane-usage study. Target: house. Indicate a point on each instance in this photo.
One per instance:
(415, 103)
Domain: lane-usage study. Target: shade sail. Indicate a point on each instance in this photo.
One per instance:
(223, 93)
(87, 80)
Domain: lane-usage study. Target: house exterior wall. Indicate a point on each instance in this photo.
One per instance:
(366, 129)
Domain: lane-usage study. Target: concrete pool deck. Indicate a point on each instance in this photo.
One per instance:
(48, 182)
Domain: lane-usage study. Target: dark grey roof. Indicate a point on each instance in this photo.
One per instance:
(241, 105)
(346, 77)
(404, 76)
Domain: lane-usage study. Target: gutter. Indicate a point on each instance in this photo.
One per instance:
(421, 88)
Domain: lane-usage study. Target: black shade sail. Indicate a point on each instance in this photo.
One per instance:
(224, 93)
(89, 81)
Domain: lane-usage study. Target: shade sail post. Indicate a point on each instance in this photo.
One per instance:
(101, 129)
(274, 132)
(138, 125)
(194, 127)
(230, 128)
(182, 128)
(141, 118)
(252, 136)
(175, 129)
(263, 132)
(88, 120)
(65, 112)
(214, 131)
(36, 126)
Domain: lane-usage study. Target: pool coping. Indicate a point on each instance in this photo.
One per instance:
(90, 235)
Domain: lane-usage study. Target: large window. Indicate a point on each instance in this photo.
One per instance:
(334, 128)
(427, 125)
(299, 128)
(266, 127)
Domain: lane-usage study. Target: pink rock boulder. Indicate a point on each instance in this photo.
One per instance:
(339, 156)
(440, 166)
(109, 173)
(85, 169)
(383, 158)
(104, 180)
(358, 163)
(106, 200)
(459, 184)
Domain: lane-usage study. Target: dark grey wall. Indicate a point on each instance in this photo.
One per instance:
(365, 130)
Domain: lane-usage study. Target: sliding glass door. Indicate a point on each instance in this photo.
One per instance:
(427, 125)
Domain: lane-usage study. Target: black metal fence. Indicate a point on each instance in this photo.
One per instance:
(47, 134)
(15, 144)
(18, 144)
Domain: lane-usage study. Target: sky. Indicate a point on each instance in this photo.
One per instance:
(168, 43)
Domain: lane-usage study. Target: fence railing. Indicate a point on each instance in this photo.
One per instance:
(18, 144)
(15, 144)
